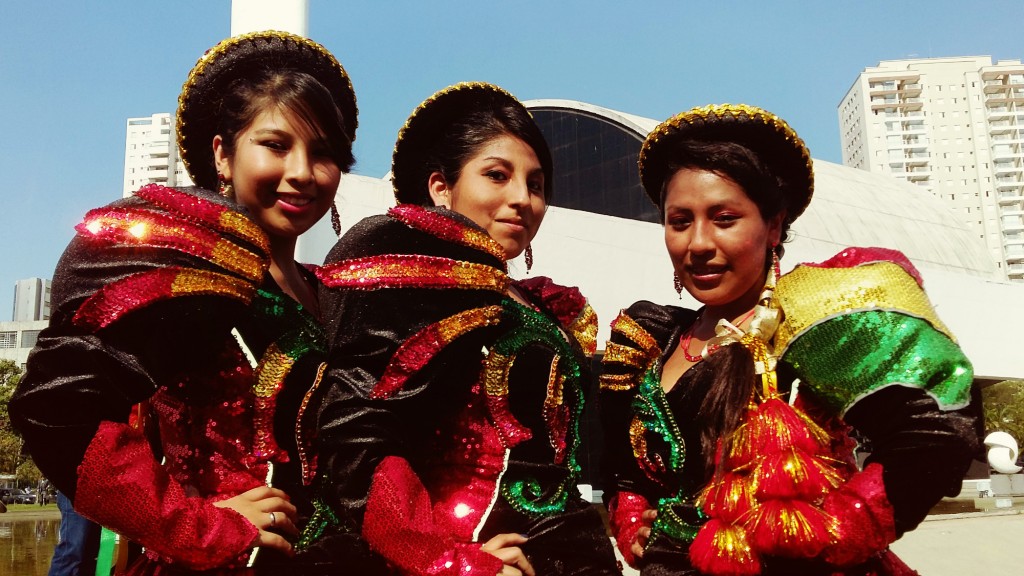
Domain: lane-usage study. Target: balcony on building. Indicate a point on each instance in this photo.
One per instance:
(159, 149)
(912, 116)
(897, 104)
(1005, 152)
(155, 174)
(1010, 198)
(151, 163)
(1012, 221)
(997, 112)
(1002, 127)
(1008, 137)
(1007, 169)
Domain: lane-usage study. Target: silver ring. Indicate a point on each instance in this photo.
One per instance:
(273, 519)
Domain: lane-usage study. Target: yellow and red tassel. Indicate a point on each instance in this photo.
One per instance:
(723, 548)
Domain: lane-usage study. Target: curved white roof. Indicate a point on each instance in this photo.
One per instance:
(854, 207)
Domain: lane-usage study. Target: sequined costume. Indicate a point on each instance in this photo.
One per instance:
(452, 411)
(869, 359)
(140, 364)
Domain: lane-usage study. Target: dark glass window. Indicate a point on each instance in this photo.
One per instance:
(595, 164)
(29, 338)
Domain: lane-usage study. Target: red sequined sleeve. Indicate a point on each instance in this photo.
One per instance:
(121, 485)
(624, 514)
(399, 524)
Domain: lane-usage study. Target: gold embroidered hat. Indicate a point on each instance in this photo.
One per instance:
(199, 104)
(429, 124)
(764, 133)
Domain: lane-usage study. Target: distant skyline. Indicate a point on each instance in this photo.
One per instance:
(71, 73)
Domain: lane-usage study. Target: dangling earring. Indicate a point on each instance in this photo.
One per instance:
(677, 284)
(224, 187)
(776, 267)
(529, 258)
(335, 220)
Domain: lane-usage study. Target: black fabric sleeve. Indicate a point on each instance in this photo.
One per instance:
(924, 451)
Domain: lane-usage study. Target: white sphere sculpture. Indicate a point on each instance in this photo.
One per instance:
(1002, 453)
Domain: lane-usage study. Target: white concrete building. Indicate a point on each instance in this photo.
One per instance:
(31, 300)
(151, 154)
(18, 338)
(955, 127)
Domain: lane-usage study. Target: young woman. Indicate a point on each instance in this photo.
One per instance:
(183, 329)
(449, 433)
(730, 429)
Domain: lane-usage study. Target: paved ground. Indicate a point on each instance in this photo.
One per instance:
(989, 544)
(983, 544)
(978, 544)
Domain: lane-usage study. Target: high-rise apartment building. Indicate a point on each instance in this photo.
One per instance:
(954, 126)
(31, 300)
(151, 154)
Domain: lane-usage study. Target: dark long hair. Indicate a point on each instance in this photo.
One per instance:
(295, 91)
(465, 136)
(732, 366)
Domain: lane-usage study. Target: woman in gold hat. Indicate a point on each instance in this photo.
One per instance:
(450, 431)
(162, 399)
(730, 429)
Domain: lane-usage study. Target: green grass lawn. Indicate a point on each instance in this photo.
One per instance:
(16, 508)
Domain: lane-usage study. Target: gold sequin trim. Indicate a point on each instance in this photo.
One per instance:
(496, 371)
(584, 329)
(809, 295)
(637, 438)
(237, 259)
(617, 382)
(631, 329)
(303, 442)
(454, 326)
(271, 372)
(626, 355)
(245, 229)
(191, 281)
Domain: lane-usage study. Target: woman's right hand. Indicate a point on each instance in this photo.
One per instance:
(643, 534)
(506, 548)
(270, 511)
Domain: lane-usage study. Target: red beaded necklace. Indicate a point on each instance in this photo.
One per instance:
(689, 336)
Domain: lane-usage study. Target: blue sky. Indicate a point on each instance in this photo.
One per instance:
(71, 72)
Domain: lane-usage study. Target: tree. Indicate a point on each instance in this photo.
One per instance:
(1003, 406)
(10, 443)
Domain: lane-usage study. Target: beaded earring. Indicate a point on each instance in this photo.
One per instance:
(529, 257)
(224, 188)
(335, 220)
(677, 284)
(776, 267)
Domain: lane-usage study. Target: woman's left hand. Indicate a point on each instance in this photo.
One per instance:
(643, 534)
(270, 511)
(506, 548)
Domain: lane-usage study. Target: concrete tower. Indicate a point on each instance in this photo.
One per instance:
(953, 126)
(284, 15)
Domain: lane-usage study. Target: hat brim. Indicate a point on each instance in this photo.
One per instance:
(244, 56)
(426, 125)
(764, 133)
